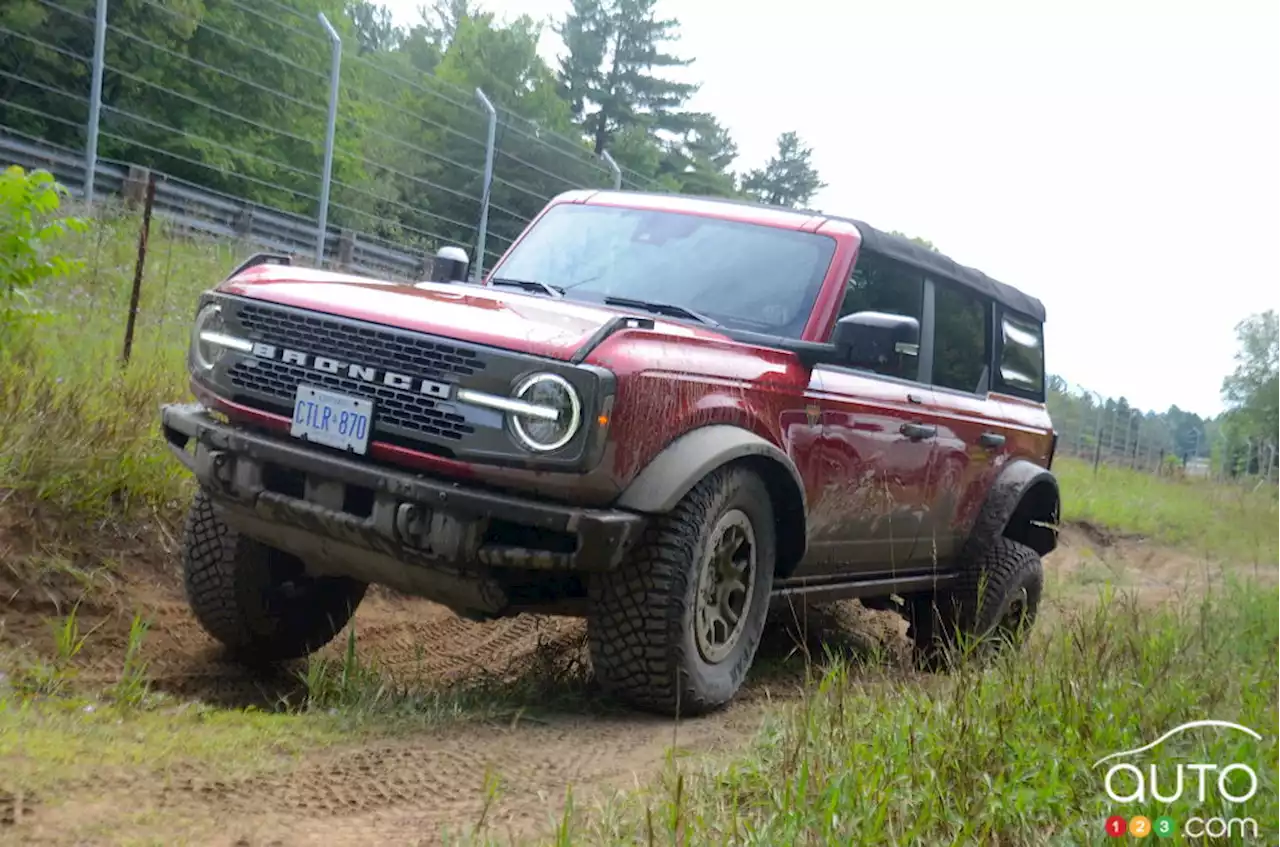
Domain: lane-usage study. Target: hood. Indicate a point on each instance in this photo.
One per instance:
(502, 318)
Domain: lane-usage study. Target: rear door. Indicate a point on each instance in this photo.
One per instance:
(977, 347)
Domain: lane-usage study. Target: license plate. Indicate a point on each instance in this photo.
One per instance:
(334, 420)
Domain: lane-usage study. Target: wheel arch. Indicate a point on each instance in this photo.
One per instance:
(1035, 520)
(690, 457)
(1023, 505)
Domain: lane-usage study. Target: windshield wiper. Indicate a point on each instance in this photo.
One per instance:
(669, 309)
(528, 285)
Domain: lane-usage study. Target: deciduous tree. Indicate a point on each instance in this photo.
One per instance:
(1250, 391)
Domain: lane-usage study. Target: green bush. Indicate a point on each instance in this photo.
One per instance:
(28, 229)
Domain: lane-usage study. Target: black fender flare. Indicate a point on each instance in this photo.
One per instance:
(1022, 492)
(690, 457)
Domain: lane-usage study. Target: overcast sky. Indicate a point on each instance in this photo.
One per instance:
(1120, 160)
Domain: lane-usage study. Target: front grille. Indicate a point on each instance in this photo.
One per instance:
(398, 414)
(365, 344)
(404, 410)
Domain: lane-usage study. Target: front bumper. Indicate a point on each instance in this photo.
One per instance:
(444, 540)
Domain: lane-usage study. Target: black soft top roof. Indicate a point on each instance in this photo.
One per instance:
(922, 258)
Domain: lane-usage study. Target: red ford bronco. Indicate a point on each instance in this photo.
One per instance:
(665, 414)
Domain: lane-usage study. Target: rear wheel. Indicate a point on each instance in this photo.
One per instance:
(256, 600)
(993, 604)
(675, 629)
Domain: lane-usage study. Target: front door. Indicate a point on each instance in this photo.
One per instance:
(876, 451)
(876, 445)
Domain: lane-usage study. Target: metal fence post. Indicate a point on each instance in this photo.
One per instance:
(95, 99)
(613, 166)
(335, 65)
(483, 229)
(1097, 438)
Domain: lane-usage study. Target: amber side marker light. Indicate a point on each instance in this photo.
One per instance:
(603, 420)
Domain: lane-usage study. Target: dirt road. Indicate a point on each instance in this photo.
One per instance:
(419, 788)
(433, 784)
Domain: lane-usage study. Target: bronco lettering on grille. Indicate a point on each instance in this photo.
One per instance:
(324, 364)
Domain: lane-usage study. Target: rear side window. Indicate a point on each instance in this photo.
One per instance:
(1021, 356)
(960, 334)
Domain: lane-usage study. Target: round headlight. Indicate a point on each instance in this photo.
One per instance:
(205, 355)
(551, 392)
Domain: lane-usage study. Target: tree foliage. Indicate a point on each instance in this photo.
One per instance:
(233, 97)
(614, 47)
(1251, 393)
(789, 178)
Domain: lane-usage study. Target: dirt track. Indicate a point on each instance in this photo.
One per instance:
(410, 790)
(405, 790)
(414, 790)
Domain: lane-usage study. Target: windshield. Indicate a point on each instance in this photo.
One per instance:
(742, 275)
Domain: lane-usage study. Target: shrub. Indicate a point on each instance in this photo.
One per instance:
(28, 228)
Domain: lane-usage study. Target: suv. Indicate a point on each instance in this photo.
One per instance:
(666, 414)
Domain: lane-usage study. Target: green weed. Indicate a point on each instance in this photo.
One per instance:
(131, 690)
(52, 676)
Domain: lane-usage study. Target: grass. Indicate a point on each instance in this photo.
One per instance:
(1234, 522)
(996, 757)
(78, 428)
(48, 743)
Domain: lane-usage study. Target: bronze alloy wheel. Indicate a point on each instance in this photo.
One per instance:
(726, 581)
(1014, 621)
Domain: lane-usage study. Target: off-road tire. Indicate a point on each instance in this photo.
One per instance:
(254, 599)
(641, 627)
(992, 604)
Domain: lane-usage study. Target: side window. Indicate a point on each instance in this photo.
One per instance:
(1021, 355)
(960, 338)
(879, 284)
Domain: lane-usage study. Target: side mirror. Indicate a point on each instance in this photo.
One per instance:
(450, 265)
(884, 343)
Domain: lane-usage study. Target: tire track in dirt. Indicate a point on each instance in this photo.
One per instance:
(402, 792)
(412, 790)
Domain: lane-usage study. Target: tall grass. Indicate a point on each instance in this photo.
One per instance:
(79, 428)
(1002, 756)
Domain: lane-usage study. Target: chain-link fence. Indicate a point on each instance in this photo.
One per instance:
(274, 114)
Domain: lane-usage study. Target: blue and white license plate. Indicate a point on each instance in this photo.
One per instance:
(335, 420)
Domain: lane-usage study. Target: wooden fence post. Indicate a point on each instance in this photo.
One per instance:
(138, 267)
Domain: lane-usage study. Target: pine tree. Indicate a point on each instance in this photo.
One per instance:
(608, 74)
(789, 178)
(700, 158)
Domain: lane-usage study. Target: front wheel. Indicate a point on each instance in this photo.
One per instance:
(992, 605)
(257, 600)
(675, 629)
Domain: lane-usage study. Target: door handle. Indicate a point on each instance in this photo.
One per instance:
(991, 439)
(918, 431)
